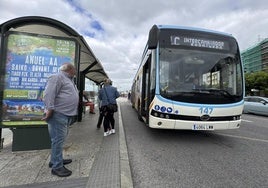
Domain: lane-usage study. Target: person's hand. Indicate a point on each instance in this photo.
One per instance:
(48, 114)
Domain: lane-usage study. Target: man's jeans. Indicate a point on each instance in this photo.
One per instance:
(58, 126)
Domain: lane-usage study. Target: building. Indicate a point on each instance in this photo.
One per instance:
(256, 58)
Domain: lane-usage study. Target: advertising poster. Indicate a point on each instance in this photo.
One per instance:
(30, 60)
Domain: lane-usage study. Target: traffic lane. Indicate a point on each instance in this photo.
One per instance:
(252, 127)
(189, 159)
(257, 120)
(170, 158)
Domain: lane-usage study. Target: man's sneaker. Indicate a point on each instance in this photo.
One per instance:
(61, 172)
(107, 133)
(112, 131)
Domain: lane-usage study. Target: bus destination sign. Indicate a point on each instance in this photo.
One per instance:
(198, 42)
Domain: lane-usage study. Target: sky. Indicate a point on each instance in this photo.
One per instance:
(117, 30)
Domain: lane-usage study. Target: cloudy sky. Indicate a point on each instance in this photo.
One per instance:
(117, 30)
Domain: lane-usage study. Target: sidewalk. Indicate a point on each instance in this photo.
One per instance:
(98, 161)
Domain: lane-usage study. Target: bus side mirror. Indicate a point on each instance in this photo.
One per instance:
(153, 37)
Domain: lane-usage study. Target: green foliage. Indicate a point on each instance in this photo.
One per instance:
(256, 80)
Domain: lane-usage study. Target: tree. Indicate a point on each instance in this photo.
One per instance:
(256, 80)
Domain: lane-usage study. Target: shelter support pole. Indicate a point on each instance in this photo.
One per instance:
(2, 140)
(82, 88)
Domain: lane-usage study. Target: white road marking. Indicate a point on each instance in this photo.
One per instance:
(244, 137)
(246, 120)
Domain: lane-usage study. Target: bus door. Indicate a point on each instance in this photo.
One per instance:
(146, 95)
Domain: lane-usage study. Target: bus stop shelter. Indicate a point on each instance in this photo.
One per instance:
(88, 66)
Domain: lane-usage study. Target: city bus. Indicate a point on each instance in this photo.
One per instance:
(189, 78)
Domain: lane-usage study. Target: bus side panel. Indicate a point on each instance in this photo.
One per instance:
(136, 92)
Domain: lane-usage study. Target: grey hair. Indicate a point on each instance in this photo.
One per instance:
(64, 67)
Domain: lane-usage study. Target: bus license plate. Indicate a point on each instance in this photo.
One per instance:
(202, 127)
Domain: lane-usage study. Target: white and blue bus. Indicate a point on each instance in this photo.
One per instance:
(189, 78)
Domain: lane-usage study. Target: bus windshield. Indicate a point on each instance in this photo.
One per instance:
(200, 75)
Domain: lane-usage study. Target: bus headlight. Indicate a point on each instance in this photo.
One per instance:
(160, 115)
(236, 117)
(155, 114)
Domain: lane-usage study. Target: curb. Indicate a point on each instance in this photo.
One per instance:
(125, 172)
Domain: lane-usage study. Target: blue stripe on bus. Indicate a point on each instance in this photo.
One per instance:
(198, 105)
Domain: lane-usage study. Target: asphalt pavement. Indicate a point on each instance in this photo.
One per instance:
(98, 161)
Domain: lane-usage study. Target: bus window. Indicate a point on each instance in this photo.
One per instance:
(164, 76)
(178, 68)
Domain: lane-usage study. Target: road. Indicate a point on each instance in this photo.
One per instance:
(179, 158)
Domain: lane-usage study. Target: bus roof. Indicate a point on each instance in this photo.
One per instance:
(192, 29)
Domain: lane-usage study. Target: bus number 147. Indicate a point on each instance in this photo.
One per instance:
(205, 110)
